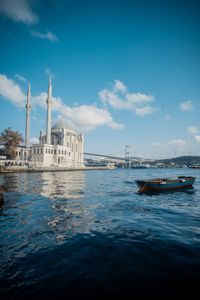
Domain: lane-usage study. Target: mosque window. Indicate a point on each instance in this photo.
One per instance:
(49, 151)
(46, 150)
(65, 152)
(54, 151)
(62, 151)
(41, 150)
(58, 151)
(34, 151)
(37, 150)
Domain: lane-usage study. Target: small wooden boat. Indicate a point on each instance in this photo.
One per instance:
(162, 184)
(2, 191)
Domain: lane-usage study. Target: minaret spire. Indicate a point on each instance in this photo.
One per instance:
(49, 102)
(50, 88)
(28, 110)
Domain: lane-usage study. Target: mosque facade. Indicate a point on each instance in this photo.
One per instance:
(60, 145)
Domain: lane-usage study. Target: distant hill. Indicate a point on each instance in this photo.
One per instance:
(181, 160)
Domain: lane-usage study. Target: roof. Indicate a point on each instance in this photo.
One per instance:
(62, 125)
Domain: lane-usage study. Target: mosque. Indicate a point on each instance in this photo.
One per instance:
(59, 146)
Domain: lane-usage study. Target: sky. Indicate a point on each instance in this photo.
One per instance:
(123, 72)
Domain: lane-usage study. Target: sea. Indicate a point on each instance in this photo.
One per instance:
(92, 235)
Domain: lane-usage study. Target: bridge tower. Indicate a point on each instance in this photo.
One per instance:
(127, 156)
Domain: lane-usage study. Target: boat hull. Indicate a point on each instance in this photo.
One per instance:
(163, 185)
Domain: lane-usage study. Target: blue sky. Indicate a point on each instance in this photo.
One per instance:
(124, 72)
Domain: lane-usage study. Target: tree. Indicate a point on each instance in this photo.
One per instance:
(11, 140)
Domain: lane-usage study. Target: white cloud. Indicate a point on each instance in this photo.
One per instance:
(112, 99)
(11, 91)
(138, 98)
(39, 100)
(193, 129)
(186, 106)
(197, 138)
(34, 140)
(177, 142)
(167, 117)
(144, 111)
(48, 35)
(19, 11)
(83, 117)
(89, 117)
(119, 97)
(119, 86)
(20, 78)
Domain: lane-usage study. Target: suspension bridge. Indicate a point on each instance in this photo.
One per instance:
(126, 159)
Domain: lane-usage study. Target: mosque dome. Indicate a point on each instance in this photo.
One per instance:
(61, 125)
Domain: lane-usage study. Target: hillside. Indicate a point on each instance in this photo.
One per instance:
(181, 160)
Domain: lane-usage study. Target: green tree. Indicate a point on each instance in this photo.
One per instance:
(11, 140)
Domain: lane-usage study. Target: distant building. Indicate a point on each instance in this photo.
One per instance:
(60, 146)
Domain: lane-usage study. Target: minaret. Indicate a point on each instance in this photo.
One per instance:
(41, 136)
(49, 102)
(28, 110)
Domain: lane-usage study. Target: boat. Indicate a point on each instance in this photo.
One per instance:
(162, 184)
(140, 166)
(111, 166)
(195, 166)
(104, 164)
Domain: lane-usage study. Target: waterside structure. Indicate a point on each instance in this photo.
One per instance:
(60, 147)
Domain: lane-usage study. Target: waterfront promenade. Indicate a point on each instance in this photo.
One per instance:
(22, 169)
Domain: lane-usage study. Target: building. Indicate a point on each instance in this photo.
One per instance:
(59, 146)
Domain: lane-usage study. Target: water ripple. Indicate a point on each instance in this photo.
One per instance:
(73, 232)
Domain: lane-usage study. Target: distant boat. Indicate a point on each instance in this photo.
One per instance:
(162, 184)
(140, 166)
(104, 164)
(195, 166)
(111, 166)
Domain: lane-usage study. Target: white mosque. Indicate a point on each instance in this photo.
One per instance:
(60, 146)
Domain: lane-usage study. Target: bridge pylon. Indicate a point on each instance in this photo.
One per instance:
(127, 156)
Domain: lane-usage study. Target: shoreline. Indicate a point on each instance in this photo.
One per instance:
(5, 170)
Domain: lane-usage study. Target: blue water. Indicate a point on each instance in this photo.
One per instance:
(89, 235)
